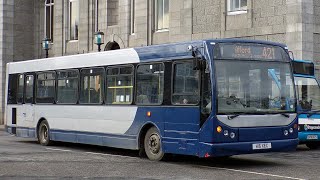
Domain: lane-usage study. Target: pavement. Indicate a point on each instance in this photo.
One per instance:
(1, 127)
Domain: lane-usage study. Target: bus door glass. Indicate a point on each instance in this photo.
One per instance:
(28, 108)
(308, 93)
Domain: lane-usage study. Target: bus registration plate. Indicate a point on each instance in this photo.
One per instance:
(261, 146)
(312, 137)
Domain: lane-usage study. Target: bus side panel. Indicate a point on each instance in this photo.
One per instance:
(178, 126)
(17, 123)
(181, 130)
(309, 128)
(98, 125)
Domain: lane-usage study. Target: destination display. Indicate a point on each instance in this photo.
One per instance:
(249, 51)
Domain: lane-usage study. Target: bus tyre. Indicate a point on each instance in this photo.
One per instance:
(313, 145)
(43, 134)
(152, 145)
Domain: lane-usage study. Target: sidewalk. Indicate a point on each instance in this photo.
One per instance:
(1, 127)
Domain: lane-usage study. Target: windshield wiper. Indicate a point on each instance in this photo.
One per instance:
(285, 115)
(230, 117)
(234, 116)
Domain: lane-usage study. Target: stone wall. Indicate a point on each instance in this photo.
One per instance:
(6, 46)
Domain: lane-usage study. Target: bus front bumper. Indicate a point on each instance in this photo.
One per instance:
(229, 149)
(307, 136)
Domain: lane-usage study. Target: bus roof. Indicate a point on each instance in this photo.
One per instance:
(121, 56)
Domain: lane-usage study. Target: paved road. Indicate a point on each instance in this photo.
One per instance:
(25, 159)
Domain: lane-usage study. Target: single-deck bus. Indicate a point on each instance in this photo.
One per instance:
(203, 98)
(308, 91)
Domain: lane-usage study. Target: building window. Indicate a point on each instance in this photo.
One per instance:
(161, 14)
(112, 12)
(237, 6)
(96, 16)
(73, 19)
(150, 84)
(49, 19)
(133, 16)
(119, 85)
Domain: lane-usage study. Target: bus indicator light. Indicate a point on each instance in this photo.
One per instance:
(219, 129)
(149, 113)
(207, 155)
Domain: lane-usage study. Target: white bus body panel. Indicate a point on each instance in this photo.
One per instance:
(76, 61)
(97, 119)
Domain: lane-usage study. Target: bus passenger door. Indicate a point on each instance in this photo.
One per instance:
(182, 120)
(28, 107)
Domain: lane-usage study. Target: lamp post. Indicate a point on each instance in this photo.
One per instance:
(46, 45)
(99, 39)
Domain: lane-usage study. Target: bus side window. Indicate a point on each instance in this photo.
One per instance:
(119, 85)
(20, 88)
(29, 82)
(46, 87)
(185, 84)
(150, 84)
(67, 90)
(12, 89)
(91, 86)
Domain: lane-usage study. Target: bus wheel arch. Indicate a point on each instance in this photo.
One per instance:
(43, 132)
(142, 135)
(153, 142)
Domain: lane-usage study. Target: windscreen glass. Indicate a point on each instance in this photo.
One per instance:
(254, 86)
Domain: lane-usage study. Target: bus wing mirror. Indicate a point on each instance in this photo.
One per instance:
(291, 55)
(196, 64)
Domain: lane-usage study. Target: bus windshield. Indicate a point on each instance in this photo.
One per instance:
(309, 93)
(254, 87)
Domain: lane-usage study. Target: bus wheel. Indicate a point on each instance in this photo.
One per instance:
(43, 133)
(313, 145)
(152, 145)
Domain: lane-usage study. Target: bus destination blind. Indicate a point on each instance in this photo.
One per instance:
(249, 51)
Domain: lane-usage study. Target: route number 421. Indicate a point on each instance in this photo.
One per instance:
(268, 53)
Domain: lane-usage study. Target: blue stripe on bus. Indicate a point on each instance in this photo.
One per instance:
(166, 51)
(314, 116)
(103, 139)
(26, 132)
(304, 134)
(228, 149)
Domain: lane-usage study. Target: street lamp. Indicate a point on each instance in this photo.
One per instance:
(99, 39)
(46, 45)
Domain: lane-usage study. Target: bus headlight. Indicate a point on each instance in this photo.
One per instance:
(285, 132)
(232, 135)
(291, 130)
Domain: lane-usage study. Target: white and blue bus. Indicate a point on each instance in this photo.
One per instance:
(308, 91)
(203, 98)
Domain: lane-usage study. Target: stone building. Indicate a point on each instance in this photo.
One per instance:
(71, 25)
